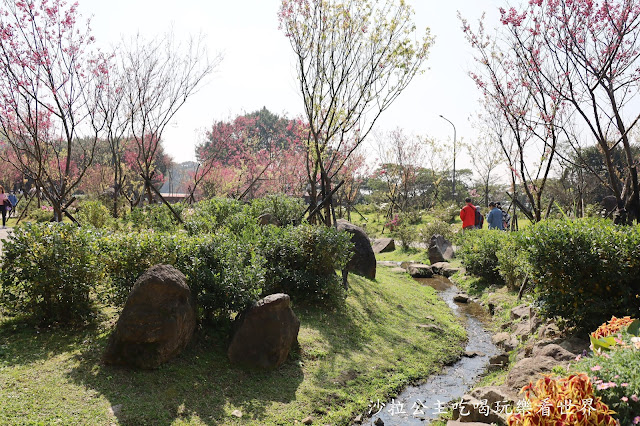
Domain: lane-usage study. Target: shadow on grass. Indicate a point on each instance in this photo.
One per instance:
(199, 383)
(22, 343)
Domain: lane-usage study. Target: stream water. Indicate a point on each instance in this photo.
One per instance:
(418, 405)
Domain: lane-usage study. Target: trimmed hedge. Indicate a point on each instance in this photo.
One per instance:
(51, 273)
(585, 270)
(301, 261)
(478, 253)
(286, 210)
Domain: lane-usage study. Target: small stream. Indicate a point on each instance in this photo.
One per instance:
(418, 405)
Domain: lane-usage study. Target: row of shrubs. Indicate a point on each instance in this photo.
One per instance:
(580, 270)
(56, 272)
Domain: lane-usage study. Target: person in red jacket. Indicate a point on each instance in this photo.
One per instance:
(468, 215)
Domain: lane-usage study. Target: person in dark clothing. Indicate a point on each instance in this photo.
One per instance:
(5, 205)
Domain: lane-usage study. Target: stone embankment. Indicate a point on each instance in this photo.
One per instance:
(535, 348)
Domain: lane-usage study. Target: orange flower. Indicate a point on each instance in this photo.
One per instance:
(612, 326)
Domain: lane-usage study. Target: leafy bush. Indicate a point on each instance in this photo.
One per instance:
(127, 256)
(224, 273)
(447, 214)
(94, 213)
(478, 253)
(512, 260)
(229, 261)
(436, 227)
(40, 215)
(155, 216)
(412, 217)
(287, 210)
(584, 269)
(301, 261)
(50, 272)
(209, 215)
(405, 234)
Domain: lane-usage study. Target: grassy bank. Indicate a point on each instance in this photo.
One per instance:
(367, 349)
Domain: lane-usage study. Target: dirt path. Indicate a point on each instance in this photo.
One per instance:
(4, 232)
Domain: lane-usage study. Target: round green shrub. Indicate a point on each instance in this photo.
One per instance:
(512, 261)
(40, 215)
(301, 261)
(435, 227)
(478, 253)
(51, 273)
(154, 216)
(207, 216)
(94, 213)
(584, 270)
(285, 209)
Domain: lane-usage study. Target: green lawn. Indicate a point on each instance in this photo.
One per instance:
(367, 349)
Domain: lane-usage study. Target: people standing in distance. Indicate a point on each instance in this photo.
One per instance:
(495, 217)
(468, 215)
(14, 202)
(5, 205)
(506, 218)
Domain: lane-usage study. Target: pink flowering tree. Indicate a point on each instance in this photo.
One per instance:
(353, 59)
(523, 111)
(581, 57)
(49, 80)
(252, 155)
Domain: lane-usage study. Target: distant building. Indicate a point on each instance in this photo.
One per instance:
(178, 179)
(174, 197)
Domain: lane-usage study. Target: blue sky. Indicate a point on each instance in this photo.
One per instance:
(258, 66)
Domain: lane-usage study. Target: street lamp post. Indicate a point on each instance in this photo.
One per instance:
(454, 156)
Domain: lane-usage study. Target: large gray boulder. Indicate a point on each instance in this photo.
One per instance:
(268, 219)
(264, 333)
(383, 245)
(418, 270)
(363, 261)
(440, 250)
(529, 370)
(157, 322)
(443, 268)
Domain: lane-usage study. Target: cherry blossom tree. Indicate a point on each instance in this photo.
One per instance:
(49, 80)
(582, 58)
(253, 154)
(524, 111)
(353, 59)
